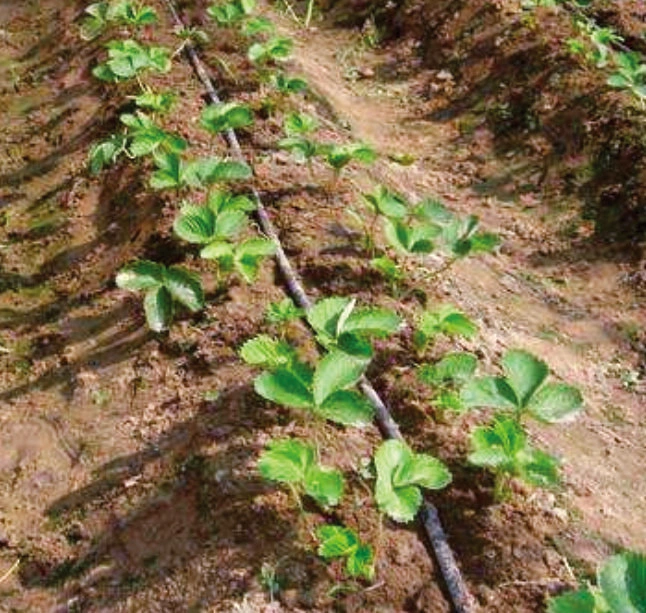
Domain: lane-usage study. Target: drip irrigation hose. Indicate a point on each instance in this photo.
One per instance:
(461, 599)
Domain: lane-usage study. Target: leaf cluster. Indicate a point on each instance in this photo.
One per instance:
(325, 390)
(401, 474)
(445, 319)
(294, 462)
(101, 14)
(128, 59)
(621, 588)
(341, 542)
(163, 287)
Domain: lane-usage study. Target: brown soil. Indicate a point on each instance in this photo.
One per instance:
(127, 460)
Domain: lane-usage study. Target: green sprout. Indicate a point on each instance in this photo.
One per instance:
(400, 475)
(163, 287)
(324, 390)
(341, 542)
(294, 463)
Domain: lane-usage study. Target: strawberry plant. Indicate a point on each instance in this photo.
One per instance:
(323, 390)
(302, 149)
(281, 313)
(630, 75)
(339, 324)
(226, 116)
(163, 287)
(523, 390)
(287, 85)
(244, 257)
(389, 269)
(445, 319)
(340, 542)
(256, 26)
(174, 173)
(232, 12)
(503, 448)
(620, 588)
(146, 138)
(128, 59)
(276, 49)
(339, 156)
(294, 463)
(400, 475)
(299, 124)
(383, 201)
(155, 102)
(446, 376)
(101, 14)
(107, 152)
(410, 237)
(459, 236)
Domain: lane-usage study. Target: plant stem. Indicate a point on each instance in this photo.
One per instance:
(308, 14)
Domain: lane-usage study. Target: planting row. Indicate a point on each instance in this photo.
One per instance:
(397, 235)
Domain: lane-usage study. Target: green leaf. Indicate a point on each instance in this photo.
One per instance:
(299, 123)
(489, 392)
(498, 444)
(372, 321)
(361, 563)
(325, 485)
(220, 201)
(286, 461)
(226, 116)
(524, 372)
(555, 402)
(185, 287)
(219, 250)
(458, 324)
(538, 467)
(158, 306)
(228, 224)
(249, 255)
(387, 203)
(283, 387)
(457, 367)
(348, 408)
(105, 153)
(623, 582)
(325, 314)
(424, 471)
(336, 541)
(283, 311)
(195, 224)
(169, 171)
(398, 472)
(141, 275)
(336, 371)
(267, 352)
(581, 601)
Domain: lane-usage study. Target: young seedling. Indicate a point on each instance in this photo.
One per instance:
(218, 118)
(381, 202)
(523, 391)
(620, 588)
(630, 75)
(459, 236)
(107, 152)
(446, 377)
(287, 85)
(127, 59)
(146, 138)
(101, 14)
(340, 542)
(390, 270)
(410, 237)
(323, 390)
(281, 313)
(302, 149)
(257, 26)
(294, 463)
(276, 49)
(445, 319)
(400, 475)
(163, 287)
(298, 124)
(339, 156)
(160, 103)
(244, 258)
(340, 325)
(174, 173)
(232, 12)
(503, 448)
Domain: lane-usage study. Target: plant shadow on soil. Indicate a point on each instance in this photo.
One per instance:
(199, 509)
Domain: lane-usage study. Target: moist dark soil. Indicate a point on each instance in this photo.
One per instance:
(128, 477)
